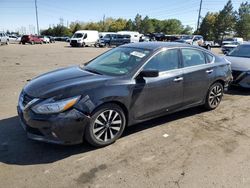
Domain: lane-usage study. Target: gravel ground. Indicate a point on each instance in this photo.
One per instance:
(192, 148)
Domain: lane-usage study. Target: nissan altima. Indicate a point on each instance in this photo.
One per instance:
(122, 87)
(240, 63)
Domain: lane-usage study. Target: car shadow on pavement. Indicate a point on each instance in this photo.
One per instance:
(16, 148)
(233, 90)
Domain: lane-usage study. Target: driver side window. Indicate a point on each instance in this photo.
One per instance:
(164, 61)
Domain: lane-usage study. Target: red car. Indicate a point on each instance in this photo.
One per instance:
(31, 39)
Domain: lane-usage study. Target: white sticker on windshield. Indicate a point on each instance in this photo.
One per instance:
(137, 54)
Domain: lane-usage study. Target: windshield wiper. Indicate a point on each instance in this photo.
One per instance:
(92, 71)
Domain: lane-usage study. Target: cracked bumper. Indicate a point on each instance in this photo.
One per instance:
(65, 128)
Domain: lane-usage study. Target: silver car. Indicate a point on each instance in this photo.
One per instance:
(240, 63)
(4, 39)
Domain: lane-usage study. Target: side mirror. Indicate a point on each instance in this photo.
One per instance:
(149, 73)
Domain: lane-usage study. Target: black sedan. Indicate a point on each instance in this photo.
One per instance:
(124, 86)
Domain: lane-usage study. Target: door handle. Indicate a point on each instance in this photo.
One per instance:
(209, 71)
(178, 79)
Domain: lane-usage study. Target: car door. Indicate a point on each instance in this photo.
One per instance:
(158, 95)
(196, 76)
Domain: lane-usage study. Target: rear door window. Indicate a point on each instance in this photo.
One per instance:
(164, 61)
(192, 57)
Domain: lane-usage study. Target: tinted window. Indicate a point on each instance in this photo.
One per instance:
(241, 51)
(192, 57)
(164, 61)
(210, 58)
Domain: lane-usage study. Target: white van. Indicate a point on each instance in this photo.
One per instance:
(232, 40)
(84, 38)
(134, 35)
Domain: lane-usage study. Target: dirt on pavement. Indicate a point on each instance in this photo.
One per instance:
(192, 148)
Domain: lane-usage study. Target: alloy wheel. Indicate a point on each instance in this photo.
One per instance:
(215, 96)
(107, 125)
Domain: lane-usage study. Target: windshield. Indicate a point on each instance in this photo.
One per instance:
(77, 35)
(241, 51)
(119, 61)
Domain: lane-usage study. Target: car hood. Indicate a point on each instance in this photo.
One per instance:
(67, 81)
(239, 63)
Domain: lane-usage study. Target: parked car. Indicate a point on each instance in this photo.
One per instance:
(45, 39)
(84, 38)
(51, 39)
(196, 40)
(240, 63)
(227, 48)
(114, 40)
(144, 38)
(124, 86)
(4, 39)
(232, 40)
(31, 39)
(134, 35)
(14, 39)
(104, 38)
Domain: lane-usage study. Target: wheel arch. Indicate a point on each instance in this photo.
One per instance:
(120, 104)
(221, 81)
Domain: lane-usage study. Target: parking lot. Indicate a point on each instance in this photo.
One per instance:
(192, 148)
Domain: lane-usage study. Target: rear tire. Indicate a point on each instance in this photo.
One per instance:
(106, 125)
(214, 96)
(7, 42)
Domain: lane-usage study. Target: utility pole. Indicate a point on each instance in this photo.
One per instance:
(199, 16)
(37, 24)
(103, 22)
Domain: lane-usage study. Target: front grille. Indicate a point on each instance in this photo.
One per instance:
(26, 99)
(236, 74)
(73, 41)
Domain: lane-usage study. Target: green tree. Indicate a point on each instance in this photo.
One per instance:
(188, 30)
(147, 26)
(138, 22)
(75, 27)
(225, 22)
(129, 25)
(172, 26)
(243, 21)
(58, 30)
(118, 25)
(207, 27)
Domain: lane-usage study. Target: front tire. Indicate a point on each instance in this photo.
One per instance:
(106, 126)
(214, 96)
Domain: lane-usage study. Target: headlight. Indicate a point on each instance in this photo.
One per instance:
(79, 40)
(50, 106)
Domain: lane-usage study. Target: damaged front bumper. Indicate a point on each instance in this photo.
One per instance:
(65, 128)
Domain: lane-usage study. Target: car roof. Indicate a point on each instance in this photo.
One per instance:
(157, 45)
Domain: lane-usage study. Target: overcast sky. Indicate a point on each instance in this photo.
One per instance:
(17, 13)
